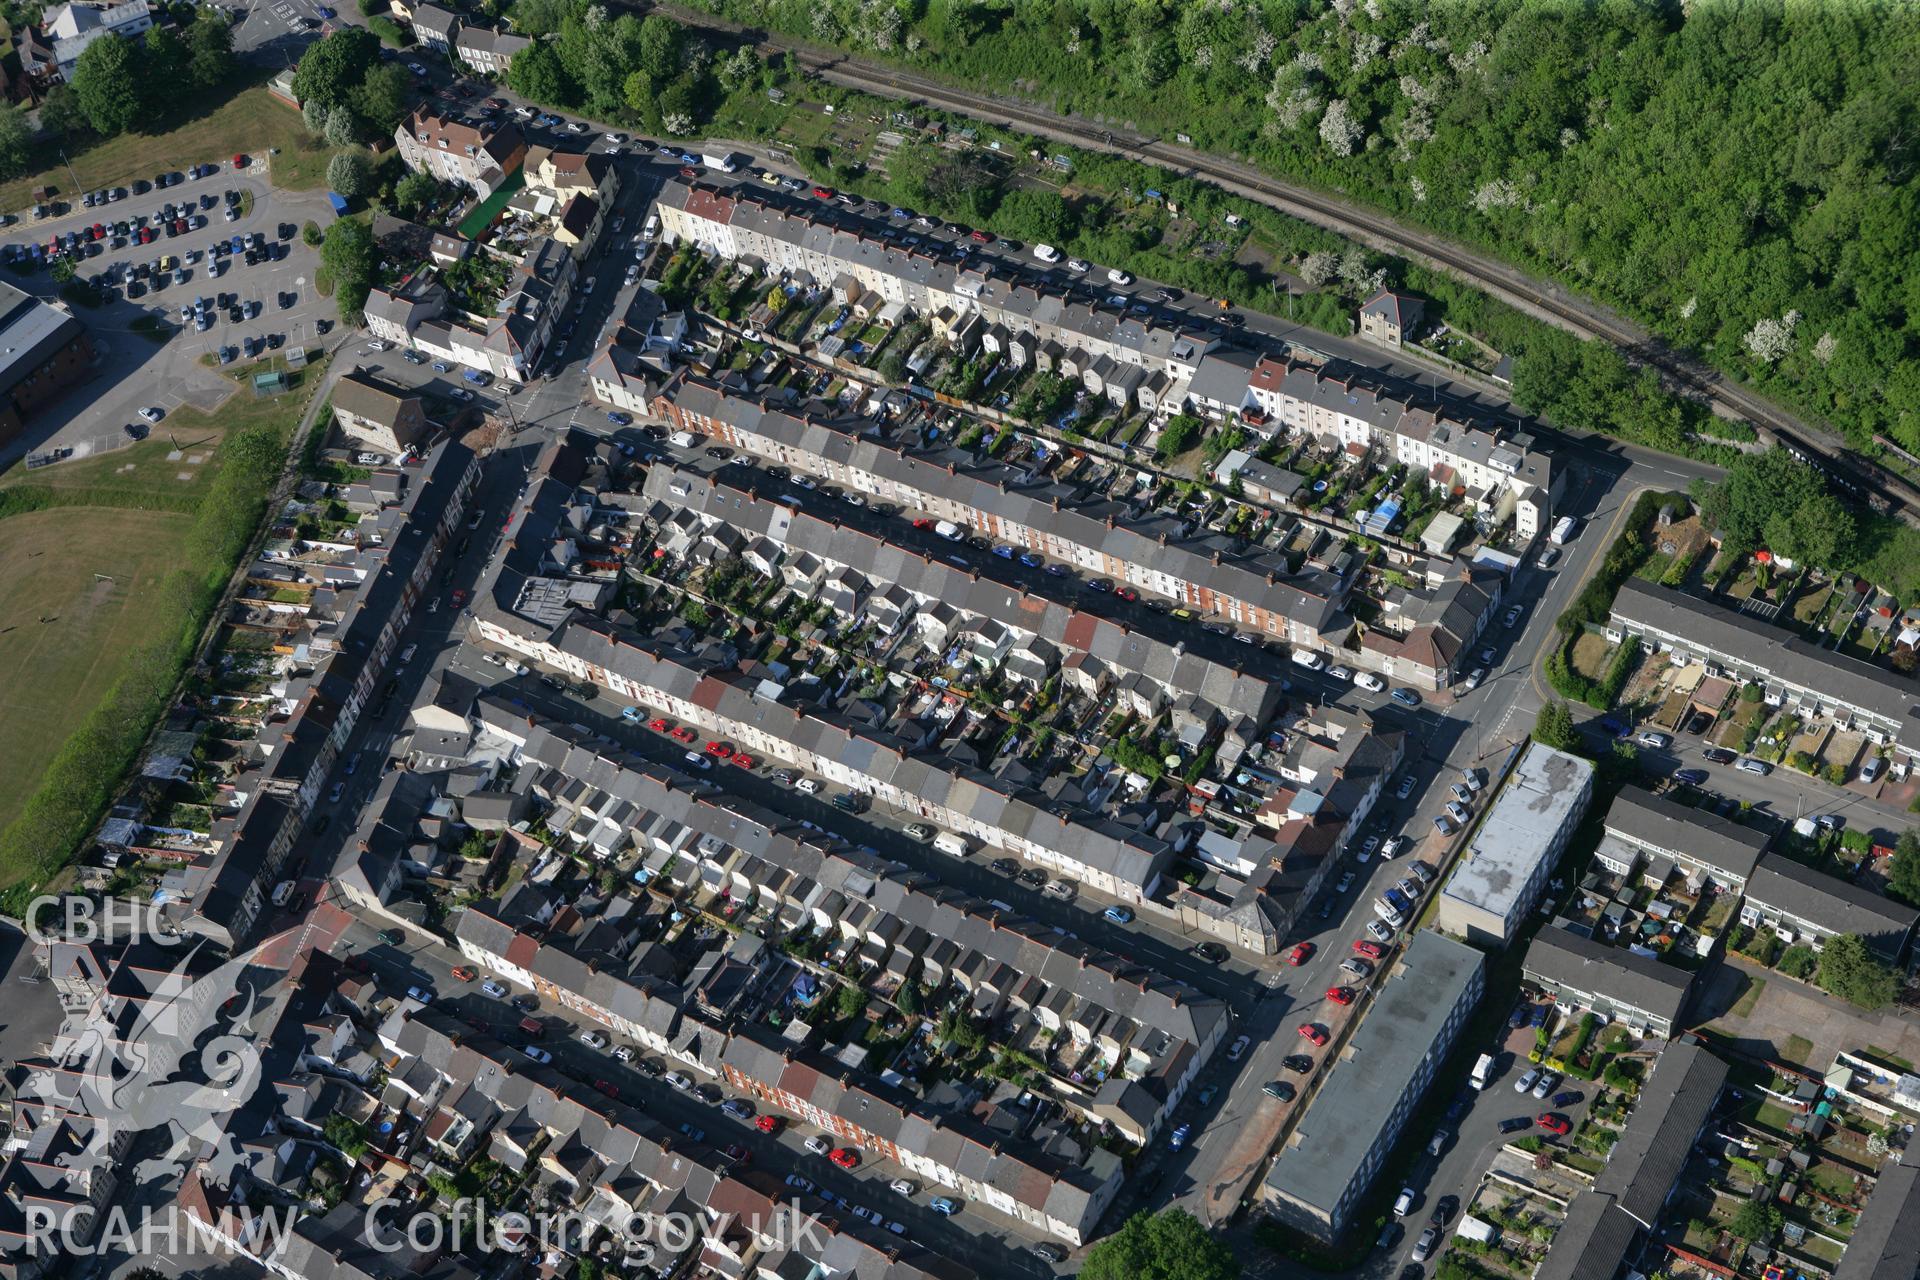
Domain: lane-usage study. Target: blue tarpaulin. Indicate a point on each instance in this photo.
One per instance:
(338, 201)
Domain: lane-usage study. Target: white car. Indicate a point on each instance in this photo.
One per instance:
(900, 1186)
(1393, 846)
(818, 1145)
(1116, 276)
(1046, 253)
(1367, 846)
(679, 1080)
(1658, 741)
(1238, 1048)
(153, 413)
(1339, 673)
(593, 1039)
(494, 989)
(1369, 681)
(624, 1053)
(697, 760)
(416, 68)
(1405, 789)
(809, 785)
(1078, 265)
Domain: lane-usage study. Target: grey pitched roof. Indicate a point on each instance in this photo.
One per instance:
(1886, 1241)
(1827, 901)
(1659, 823)
(1561, 955)
(1592, 1242)
(1673, 1107)
(1745, 639)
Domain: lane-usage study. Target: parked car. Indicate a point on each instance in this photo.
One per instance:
(1554, 1123)
(1527, 1080)
(1301, 953)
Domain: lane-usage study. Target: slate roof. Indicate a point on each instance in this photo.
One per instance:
(1673, 1107)
(1658, 823)
(1828, 901)
(1885, 1244)
(1642, 982)
(1786, 656)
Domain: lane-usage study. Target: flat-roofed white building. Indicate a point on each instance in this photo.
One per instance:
(1513, 853)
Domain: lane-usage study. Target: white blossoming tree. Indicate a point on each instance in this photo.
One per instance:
(1770, 340)
(1339, 130)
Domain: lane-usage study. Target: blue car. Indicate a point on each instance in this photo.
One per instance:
(618, 419)
(1119, 915)
(1030, 560)
(1179, 1137)
(1004, 551)
(237, 245)
(1692, 777)
(1405, 697)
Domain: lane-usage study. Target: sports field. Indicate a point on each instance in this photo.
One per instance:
(76, 584)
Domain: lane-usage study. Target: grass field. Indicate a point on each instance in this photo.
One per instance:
(51, 673)
(249, 122)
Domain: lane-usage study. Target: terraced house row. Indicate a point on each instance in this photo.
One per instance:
(1121, 861)
(1157, 553)
(331, 653)
(903, 592)
(1123, 1043)
(1132, 361)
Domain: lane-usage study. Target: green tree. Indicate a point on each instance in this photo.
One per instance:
(384, 98)
(1756, 1222)
(1553, 727)
(350, 173)
(63, 270)
(1758, 486)
(1036, 215)
(106, 84)
(348, 256)
(16, 140)
(331, 70)
(415, 191)
(162, 66)
(62, 113)
(849, 1001)
(662, 47)
(1851, 971)
(1903, 878)
(209, 50)
(1169, 1245)
(1178, 435)
(1818, 532)
(538, 74)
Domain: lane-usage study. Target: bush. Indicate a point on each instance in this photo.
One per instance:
(1799, 961)
(389, 32)
(312, 234)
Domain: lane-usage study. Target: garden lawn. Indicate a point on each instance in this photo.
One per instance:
(53, 672)
(249, 122)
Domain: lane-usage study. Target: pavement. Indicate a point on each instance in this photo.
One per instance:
(131, 370)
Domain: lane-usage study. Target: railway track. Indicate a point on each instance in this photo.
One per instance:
(1859, 476)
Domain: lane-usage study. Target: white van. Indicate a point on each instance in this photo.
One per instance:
(1046, 253)
(281, 892)
(652, 230)
(1309, 659)
(953, 845)
(1388, 912)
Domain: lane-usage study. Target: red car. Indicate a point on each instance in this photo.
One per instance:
(1313, 1033)
(843, 1157)
(465, 972)
(738, 1154)
(606, 1088)
(1127, 593)
(682, 734)
(823, 193)
(983, 237)
(239, 162)
(1340, 995)
(1553, 1123)
(459, 598)
(767, 1124)
(99, 232)
(720, 749)
(658, 724)
(744, 760)
(688, 171)
(923, 523)
(1301, 953)
(1371, 950)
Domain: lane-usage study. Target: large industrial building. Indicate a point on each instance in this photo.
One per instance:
(43, 351)
(1335, 1151)
(1513, 853)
